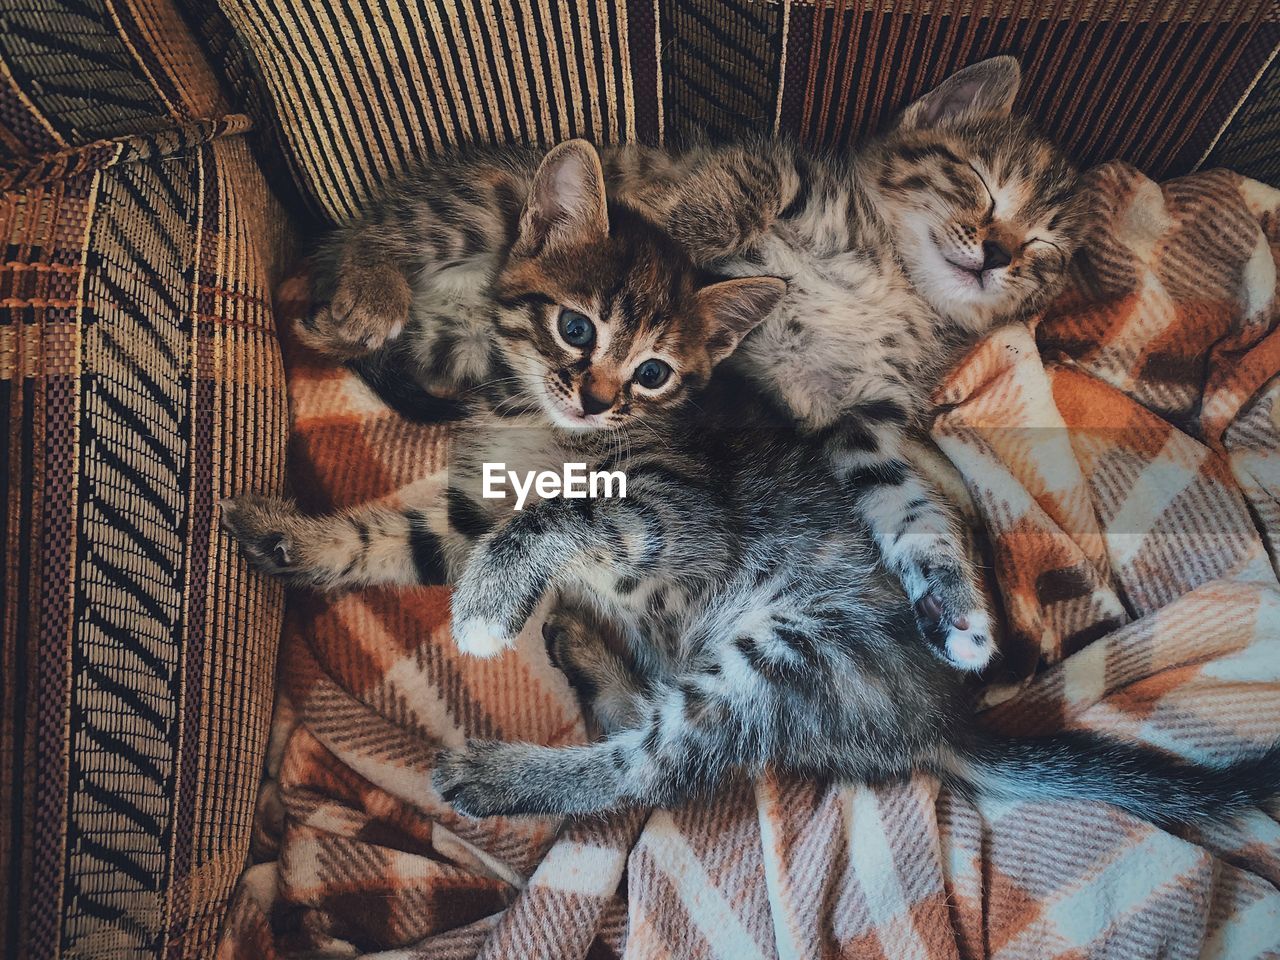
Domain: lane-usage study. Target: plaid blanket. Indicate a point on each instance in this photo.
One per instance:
(1123, 455)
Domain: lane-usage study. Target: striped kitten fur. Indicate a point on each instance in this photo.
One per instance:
(728, 615)
(960, 218)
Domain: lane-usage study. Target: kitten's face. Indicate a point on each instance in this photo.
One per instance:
(602, 319)
(985, 212)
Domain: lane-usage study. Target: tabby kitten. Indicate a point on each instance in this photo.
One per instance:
(753, 626)
(595, 330)
(960, 218)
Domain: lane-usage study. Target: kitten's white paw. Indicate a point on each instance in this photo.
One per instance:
(480, 638)
(971, 648)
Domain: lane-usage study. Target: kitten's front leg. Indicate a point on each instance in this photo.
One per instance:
(660, 763)
(365, 546)
(724, 199)
(563, 541)
(919, 539)
(507, 575)
(360, 297)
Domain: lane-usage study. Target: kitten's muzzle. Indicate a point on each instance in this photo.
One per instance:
(962, 263)
(976, 264)
(598, 392)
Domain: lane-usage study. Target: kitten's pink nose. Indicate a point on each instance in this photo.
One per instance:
(592, 404)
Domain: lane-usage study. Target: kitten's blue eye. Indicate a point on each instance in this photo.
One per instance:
(652, 374)
(577, 330)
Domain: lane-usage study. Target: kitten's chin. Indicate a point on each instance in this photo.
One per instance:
(967, 298)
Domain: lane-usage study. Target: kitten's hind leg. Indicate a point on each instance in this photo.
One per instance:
(593, 655)
(657, 765)
(921, 541)
(364, 546)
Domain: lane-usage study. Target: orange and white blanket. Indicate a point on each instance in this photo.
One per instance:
(1124, 458)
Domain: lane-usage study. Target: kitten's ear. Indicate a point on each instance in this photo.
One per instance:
(734, 308)
(983, 89)
(566, 201)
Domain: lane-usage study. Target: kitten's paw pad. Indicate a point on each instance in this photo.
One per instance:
(262, 527)
(368, 309)
(930, 608)
(478, 637)
(954, 623)
(967, 641)
(470, 781)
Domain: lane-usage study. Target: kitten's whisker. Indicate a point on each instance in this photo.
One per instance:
(509, 402)
(487, 384)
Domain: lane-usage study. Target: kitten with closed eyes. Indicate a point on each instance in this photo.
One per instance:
(897, 257)
(752, 624)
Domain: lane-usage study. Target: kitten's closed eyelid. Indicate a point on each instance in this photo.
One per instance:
(991, 210)
(1048, 243)
(1062, 259)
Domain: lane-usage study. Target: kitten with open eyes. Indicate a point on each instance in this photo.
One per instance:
(596, 331)
(754, 626)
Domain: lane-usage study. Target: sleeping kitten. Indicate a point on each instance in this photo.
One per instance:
(959, 219)
(753, 626)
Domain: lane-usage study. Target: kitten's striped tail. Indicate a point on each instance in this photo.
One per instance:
(1151, 785)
